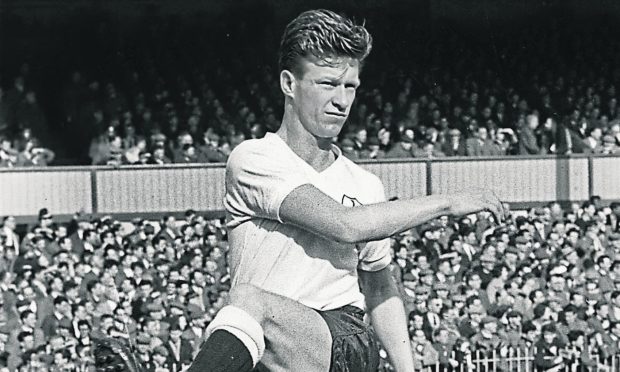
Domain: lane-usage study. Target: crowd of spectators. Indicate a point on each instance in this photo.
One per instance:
(545, 283)
(550, 89)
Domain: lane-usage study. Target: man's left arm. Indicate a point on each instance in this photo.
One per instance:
(387, 315)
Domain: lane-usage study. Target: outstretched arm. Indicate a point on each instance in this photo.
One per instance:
(309, 208)
(387, 315)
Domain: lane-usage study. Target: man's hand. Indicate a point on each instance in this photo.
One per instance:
(476, 200)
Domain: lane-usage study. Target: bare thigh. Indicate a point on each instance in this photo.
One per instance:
(296, 336)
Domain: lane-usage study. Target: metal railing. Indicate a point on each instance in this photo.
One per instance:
(520, 360)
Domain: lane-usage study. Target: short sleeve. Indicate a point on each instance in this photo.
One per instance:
(259, 175)
(376, 255)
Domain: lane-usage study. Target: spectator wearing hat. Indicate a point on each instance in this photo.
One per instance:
(407, 291)
(487, 340)
(180, 350)
(403, 149)
(442, 291)
(548, 350)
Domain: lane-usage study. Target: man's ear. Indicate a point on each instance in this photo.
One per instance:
(288, 83)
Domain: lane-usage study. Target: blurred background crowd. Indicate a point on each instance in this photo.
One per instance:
(544, 284)
(156, 92)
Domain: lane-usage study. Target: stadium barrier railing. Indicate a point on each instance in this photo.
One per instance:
(131, 190)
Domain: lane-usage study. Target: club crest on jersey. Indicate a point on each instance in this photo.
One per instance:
(348, 201)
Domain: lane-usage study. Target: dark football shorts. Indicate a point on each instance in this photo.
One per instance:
(354, 344)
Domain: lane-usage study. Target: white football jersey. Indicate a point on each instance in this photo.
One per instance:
(286, 259)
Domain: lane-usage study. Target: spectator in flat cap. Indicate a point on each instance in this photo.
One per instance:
(487, 339)
(408, 291)
(404, 148)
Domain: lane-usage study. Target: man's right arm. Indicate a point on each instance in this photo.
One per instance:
(311, 209)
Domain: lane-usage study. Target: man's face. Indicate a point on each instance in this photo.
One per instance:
(10, 222)
(323, 96)
(31, 320)
(28, 342)
(570, 317)
(549, 336)
(435, 305)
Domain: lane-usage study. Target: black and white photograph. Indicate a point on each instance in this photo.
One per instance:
(309, 186)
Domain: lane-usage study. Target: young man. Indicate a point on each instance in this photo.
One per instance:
(304, 220)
